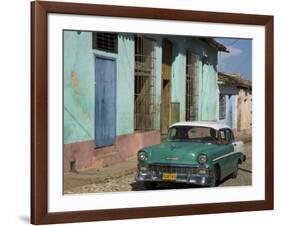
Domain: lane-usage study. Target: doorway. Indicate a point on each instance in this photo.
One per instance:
(167, 52)
(105, 101)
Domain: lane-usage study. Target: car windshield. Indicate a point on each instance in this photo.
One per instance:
(193, 133)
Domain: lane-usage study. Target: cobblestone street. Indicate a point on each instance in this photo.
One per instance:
(121, 177)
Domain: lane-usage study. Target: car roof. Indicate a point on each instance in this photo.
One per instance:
(210, 124)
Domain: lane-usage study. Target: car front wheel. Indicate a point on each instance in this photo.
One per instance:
(150, 185)
(215, 180)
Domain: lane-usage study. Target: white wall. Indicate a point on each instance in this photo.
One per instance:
(15, 86)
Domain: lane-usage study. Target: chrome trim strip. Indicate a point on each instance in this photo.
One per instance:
(171, 158)
(226, 155)
(173, 164)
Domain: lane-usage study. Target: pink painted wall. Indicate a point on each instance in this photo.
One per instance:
(86, 155)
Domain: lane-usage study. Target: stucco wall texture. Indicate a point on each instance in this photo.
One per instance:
(79, 83)
(238, 111)
(244, 110)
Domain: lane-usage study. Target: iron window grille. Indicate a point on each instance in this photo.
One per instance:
(104, 41)
(144, 98)
(192, 86)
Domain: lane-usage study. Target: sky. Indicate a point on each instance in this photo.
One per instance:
(239, 58)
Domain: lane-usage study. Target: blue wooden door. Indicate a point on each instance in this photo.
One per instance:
(105, 101)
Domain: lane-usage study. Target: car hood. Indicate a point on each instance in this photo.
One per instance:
(180, 152)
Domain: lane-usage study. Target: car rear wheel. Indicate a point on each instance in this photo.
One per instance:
(150, 185)
(235, 172)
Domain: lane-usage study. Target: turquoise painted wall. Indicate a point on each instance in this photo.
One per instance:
(179, 75)
(79, 82)
(208, 88)
(79, 85)
(125, 84)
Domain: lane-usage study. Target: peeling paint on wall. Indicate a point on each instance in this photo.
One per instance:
(74, 80)
(79, 82)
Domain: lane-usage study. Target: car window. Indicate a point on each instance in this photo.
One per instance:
(173, 132)
(229, 136)
(198, 132)
(225, 136)
(192, 133)
(222, 137)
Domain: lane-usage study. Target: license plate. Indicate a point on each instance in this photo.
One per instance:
(169, 176)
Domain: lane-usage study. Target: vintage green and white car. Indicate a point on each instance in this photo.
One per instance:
(199, 153)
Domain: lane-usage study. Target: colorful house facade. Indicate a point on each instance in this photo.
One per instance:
(122, 91)
(235, 102)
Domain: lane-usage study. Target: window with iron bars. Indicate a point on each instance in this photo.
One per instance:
(144, 104)
(104, 41)
(192, 86)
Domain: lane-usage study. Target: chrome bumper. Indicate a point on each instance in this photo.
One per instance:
(188, 175)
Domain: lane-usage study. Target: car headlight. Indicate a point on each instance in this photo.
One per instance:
(202, 158)
(142, 155)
